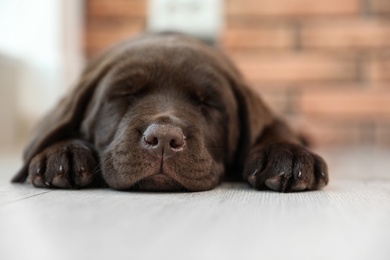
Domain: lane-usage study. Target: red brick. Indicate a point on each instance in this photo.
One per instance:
(116, 8)
(341, 86)
(325, 133)
(357, 34)
(100, 36)
(379, 6)
(268, 37)
(373, 104)
(382, 135)
(292, 8)
(295, 67)
(276, 99)
(379, 68)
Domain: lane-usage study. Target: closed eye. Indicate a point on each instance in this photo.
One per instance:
(126, 90)
(206, 97)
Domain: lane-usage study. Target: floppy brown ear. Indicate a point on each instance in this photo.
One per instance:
(254, 117)
(64, 120)
(258, 114)
(262, 123)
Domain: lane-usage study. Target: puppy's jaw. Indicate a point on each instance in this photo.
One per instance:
(136, 168)
(156, 177)
(158, 182)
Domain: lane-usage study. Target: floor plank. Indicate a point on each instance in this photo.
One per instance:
(350, 219)
(9, 164)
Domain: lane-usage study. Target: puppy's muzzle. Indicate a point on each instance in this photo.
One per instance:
(163, 141)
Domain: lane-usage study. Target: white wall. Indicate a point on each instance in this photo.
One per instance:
(30, 34)
(43, 37)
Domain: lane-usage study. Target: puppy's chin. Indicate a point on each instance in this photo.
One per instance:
(158, 182)
(133, 170)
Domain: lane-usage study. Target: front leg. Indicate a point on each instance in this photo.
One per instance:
(280, 162)
(67, 164)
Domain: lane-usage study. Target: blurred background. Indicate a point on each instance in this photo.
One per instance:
(322, 64)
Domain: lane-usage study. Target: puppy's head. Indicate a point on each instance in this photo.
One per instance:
(165, 112)
(164, 116)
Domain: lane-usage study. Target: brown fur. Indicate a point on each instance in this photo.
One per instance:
(166, 112)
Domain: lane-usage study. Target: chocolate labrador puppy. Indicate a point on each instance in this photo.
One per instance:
(165, 112)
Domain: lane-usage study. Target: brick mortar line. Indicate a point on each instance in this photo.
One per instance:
(297, 36)
(366, 9)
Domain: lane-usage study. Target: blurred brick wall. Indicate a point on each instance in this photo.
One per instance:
(108, 21)
(322, 64)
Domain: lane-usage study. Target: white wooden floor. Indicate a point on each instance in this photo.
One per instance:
(350, 219)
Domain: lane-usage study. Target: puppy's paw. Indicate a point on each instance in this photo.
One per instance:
(67, 164)
(285, 167)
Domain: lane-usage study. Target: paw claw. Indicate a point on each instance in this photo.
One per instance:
(252, 180)
(321, 184)
(60, 182)
(274, 183)
(299, 186)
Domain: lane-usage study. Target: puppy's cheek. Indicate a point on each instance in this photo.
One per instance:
(208, 181)
(112, 177)
(216, 176)
(219, 171)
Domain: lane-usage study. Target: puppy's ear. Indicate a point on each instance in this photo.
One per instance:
(254, 117)
(258, 114)
(254, 113)
(64, 120)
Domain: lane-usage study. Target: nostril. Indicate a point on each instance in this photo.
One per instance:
(151, 140)
(176, 143)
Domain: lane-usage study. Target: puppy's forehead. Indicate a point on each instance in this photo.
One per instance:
(171, 57)
(167, 61)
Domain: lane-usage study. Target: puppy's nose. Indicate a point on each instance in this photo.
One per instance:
(163, 139)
